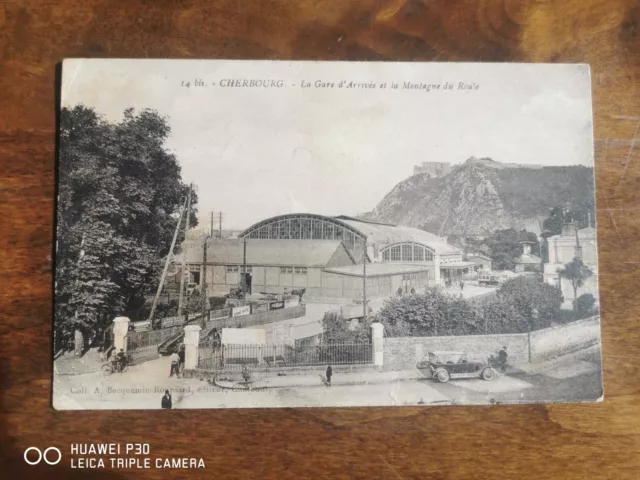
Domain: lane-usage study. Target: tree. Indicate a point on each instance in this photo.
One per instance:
(501, 316)
(560, 215)
(504, 247)
(529, 295)
(119, 194)
(584, 305)
(576, 272)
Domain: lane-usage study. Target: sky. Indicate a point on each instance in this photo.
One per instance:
(256, 152)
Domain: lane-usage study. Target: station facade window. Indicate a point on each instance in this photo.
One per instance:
(408, 253)
(308, 227)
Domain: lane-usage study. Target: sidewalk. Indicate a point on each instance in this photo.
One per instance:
(550, 364)
(316, 378)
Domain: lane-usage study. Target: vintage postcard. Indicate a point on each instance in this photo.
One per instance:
(237, 234)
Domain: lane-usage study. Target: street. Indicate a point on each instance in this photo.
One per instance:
(573, 378)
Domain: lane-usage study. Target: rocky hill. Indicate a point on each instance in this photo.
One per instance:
(481, 196)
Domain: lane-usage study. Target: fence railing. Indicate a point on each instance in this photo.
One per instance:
(144, 345)
(260, 318)
(178, 320)
(237, 357)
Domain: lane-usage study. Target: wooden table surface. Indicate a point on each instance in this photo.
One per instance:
(532, 442)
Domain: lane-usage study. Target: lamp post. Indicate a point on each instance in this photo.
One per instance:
(364, 284)
(532, 323)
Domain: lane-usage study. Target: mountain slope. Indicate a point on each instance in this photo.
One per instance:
(481, 196)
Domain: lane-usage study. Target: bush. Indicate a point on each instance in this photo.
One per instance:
(583, 306)
(217, 303)
(437, 314)
(236, 293)
(501, 316)
(336, 330)
(527, 294)
(428, 314)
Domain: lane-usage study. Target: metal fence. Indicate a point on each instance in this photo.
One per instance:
(260, 318)
(144, 345)
(178, 320)
(236, 357)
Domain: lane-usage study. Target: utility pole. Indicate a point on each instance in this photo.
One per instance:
(211, 232)
(578, 248)
(243, 281)
(220, 223)
(364, 284)
(203, 288)
(184, 252)
(166, 264)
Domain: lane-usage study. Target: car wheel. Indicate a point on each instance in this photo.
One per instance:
(488, 374)
(443, 376)
(106, 369)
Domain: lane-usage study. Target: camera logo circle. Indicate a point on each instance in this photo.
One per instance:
(43, 456)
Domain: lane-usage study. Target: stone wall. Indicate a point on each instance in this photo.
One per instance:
(404, 352)
(563, 339)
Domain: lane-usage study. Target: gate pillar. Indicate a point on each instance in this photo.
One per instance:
(377, 342)
(191, 341)
(120, 330)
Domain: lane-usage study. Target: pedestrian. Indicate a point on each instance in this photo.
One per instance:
(175, 361)
(399, 291)
(181, 359)
(166, 400)
(502, 359)
(329, 373)
(461, 285)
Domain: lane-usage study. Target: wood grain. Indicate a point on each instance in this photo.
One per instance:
(526, 442)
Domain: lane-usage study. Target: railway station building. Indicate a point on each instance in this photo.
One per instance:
(325, 256)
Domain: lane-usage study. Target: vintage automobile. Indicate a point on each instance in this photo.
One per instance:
(443, 366)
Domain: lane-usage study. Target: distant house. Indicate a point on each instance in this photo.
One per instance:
(565, 247)
(482, 261)
(527, 262)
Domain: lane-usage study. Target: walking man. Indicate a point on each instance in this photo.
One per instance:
(166, 400)
(329, 373)
(175, 361)
(502, 359)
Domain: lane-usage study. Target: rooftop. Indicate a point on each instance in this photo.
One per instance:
(478, 255)
(378, 269)
(457, 265)
(528, 259)
(305, 253)
(385, 234)
(588, 233)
